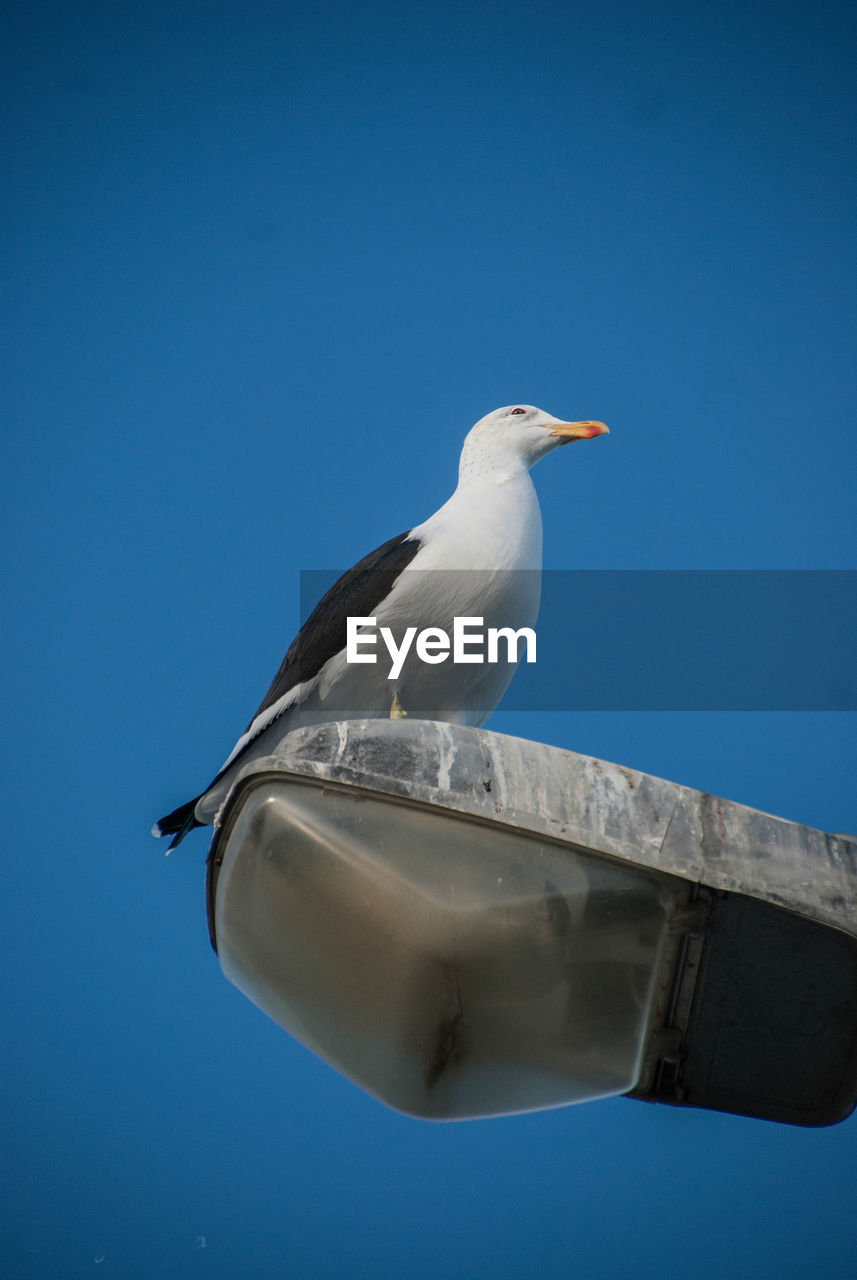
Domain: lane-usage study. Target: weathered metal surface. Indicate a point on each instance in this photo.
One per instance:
(586, 802)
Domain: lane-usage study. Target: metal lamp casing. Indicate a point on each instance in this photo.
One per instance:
(467, 924)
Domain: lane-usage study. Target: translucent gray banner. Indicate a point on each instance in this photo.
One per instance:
(637, 640)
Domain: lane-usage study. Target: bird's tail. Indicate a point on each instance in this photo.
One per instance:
(178, 823)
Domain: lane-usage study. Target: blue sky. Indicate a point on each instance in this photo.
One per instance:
(266, 264)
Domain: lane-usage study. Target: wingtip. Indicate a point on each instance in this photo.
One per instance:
(178, 823)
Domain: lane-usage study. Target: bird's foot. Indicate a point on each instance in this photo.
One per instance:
(397, 711)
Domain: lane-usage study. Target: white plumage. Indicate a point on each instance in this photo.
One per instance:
(479, 555)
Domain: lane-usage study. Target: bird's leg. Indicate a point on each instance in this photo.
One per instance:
(397, 711)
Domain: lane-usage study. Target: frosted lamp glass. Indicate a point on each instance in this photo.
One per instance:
(452, 968)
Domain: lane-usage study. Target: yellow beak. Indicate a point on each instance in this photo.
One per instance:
(579, 430)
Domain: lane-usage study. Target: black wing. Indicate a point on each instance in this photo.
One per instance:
(356, 594)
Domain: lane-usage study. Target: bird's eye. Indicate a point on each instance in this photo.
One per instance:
(517, 411)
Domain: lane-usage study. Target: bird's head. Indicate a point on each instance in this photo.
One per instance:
(528, 432)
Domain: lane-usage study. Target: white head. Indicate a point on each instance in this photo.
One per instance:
(518, 435)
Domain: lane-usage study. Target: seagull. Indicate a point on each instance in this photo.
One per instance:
(478, 558)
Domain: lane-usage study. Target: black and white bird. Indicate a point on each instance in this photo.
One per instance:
(478, 556)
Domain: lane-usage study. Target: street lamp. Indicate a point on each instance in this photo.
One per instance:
(467, 924)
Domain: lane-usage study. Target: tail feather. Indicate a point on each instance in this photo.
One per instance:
(178, 823)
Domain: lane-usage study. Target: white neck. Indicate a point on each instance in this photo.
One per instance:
(493, 516)
(479, 466)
